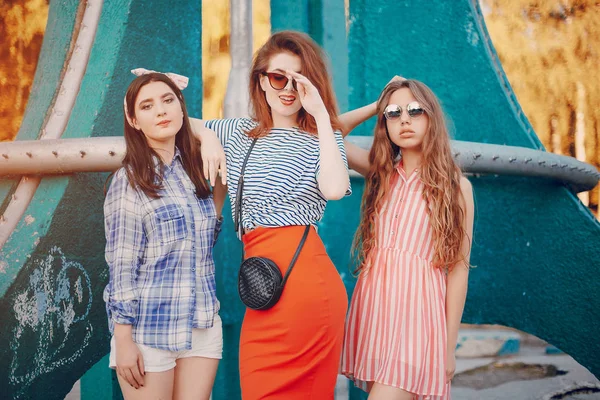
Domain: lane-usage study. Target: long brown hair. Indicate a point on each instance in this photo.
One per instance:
(314, 68)
(438, 172)
(139, 161)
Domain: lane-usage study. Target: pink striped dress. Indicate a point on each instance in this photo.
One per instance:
(396, 327)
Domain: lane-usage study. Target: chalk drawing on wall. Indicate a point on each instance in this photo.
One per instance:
(57, 298)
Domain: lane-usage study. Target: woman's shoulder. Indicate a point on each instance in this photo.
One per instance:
(231, 123)
(466, 190)
(465, 185)
(118, 177)
(116, 187)
(231, 131)
(119, 182)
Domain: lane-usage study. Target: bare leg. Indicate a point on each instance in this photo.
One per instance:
(384, 392)
(194, 378)
(157, 386)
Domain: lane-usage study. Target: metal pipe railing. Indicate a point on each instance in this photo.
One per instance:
(65, 156)
(483, 158)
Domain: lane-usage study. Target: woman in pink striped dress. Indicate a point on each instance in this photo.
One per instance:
(413, 245)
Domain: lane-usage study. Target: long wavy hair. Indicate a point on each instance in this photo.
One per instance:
(438, 172)
(314, 68)
(139, 161)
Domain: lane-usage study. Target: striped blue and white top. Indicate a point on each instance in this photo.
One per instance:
(280, 182)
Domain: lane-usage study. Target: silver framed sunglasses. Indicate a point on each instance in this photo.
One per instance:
(394, 111)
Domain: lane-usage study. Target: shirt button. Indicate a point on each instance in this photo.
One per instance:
(193, 226)
(193, 269)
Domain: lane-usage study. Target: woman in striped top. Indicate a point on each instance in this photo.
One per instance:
(292, 350)
(413, 245)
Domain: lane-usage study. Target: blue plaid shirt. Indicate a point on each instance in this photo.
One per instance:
(159, 252)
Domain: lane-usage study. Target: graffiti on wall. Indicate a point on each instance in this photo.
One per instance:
(58, 297)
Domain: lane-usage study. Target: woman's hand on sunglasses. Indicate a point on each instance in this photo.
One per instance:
(309, 96)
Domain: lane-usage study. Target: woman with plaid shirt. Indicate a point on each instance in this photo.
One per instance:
(160, 221)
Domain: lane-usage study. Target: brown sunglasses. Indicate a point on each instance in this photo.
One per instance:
(279, 81)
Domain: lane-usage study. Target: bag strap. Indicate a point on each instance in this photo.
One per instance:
(238, 195)
(300, 246)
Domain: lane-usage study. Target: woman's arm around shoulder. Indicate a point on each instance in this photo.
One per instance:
(211, 148)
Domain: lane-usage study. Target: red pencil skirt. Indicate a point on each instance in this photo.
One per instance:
(292, 351)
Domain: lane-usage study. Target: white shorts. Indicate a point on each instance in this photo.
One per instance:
(206, 343)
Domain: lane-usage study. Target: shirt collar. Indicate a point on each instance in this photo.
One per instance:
(402, 172)
(157, 161)
(177, 155)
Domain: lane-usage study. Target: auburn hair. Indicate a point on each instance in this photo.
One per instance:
(313, 68)
(140, 159)
(439, 174)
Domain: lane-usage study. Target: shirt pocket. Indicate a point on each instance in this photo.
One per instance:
(170, 224)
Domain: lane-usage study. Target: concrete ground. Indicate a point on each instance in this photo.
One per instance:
(549, 388)
(513, 377)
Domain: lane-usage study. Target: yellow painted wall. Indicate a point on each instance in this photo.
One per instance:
(216, 61)
(550, 51)
(22, 26)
